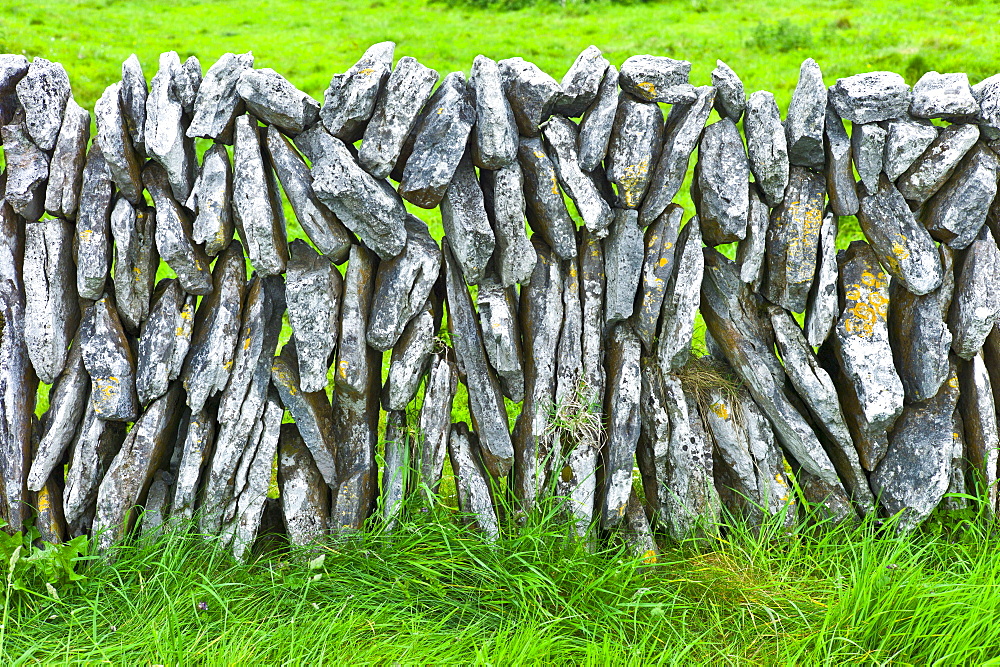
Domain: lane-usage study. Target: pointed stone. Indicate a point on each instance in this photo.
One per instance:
(792, 240)
(804, 122)
(410, 357)
(634, 148)
(67, 402)
(305, 497)
(957, 212)
(275, 101)
(51, 311)
(435, 420)
(218, 104)
(498, 321)
(871, 97)
(350, 98)
(657, 79)
(165, 340)
(313, 294)
(767, 146)
(680, 302)
(166, 125)
(94, 447)
(398, 475)
(935, 165)
(532, 94)
(93, 227)
(66, 167)
(545, 206)
(906, 139)
(110, 361)
(572, 397)
(116, 144)
(43, 92)
(598, 121)
(581, 82)
(503, 195)
(982, 436)
(719, 189)
(657, 268)
(975, 308)
(188, 83)
(943, 95)
(622, 413)
(257, 206)
(839, 167)
(173, 234)
(13, 67)
(750, 251)
(823, 306)
(494, 137)
(623, 260)
(213, 224)
(472, 484)
(561, 139)
(27, 172)
(133, 94)
(868, 150)
(731, 99)
(463, 214)
(196, 448)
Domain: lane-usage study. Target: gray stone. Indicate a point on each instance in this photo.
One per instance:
(532, 94)
(545, 206)
(730, 98)
(93, 227)
(868, 144)
(906, 139)
(719, 188)
(133, 95)
(597, 122)
(623, 422)
(623, 260)
(634, 148)
(67, 401)
(435, 420)
(750, 251)
(497, 306)
(27, 172)
(196, 447)
(982, 435)
(767, 146)
(271, 98)
(110, 362)
(51, 311)
(164, 341)
(804, 122)
(116, 144)
(166, 125)
(257, 207)
(987, 96)
(871, 97)
(305, 497)
(472, 484)
(934, 167)
(188, 83)
(942, 95)
(411, 356)
(49, 520)
(975, 307)
(572, 400)
(680, 302)
(463, 215)
(956, 213)
(213, 224)
(313, 292)
(66, 167)
(657, 79)
(94, 447)
(494, 137)
(13, 67)
(218, 104)
(43, 92)
(792, 240)
(561, 139)
(503, 195)
(657, 268)
(136, 261)
(823, 305)
(840, 187)
(350, 98)
(398, 476)
(592, 286)
(580, 84)
(638, 532)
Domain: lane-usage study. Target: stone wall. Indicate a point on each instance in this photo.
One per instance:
(866, 376)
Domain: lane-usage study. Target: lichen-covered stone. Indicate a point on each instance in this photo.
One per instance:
(166, 127)
(51, 310)
(871, 97)
(398, 473)
(313, 292)
(792, 240)
(545, 206)
(165, 340)
(719, 188)
(823, 306)
(657, 79)
(94, 447)
(257, 207)
(305, 497)
(804, 123)
(411, 356)
(212, 201)
(497, 306)
(350, 98)
(116, 145)
(62, 193)
(580, 84)
(982, 435)
(943, 95)
(623, 422)
(957, 212)
(680, 302)
(597, 122)
(767, 146)
(731, 99)
(136, 261)
(218, 104)
(561, 138)
(868, 151)
(935, 165)
(13, 67)
(531, 93)
(634, 148)
(110, 362)
(274, 100)
(657, 267)
(67, 402)
(133, 95)
(750, 251)
(93, 232)
(494, 137)
(463, 215)
(195, 448)
(503, 195)
(435, 419)
(43, 92)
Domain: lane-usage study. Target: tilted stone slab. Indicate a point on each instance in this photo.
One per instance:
(987, 96)
(531, 93)
(13, 67)
(116, 144)
(494, 136)
(544, 203)
(561, 138)
(165, 340)
(110, 362)
(839, 167)
(750, 251)
(498, 321)
(719, 188)
(580, 84)
(957, 212)
(67, 402)
(305, 497)
(350, 99)
(27, 172)
(257, 207)
(218, 104)
(975, 307)
(274, 100)
(805, 121)
(134, 93)
(680, 302)
(792, 240)
(634, 148)
(411, 356)
(196, 449)
(166, 125)
(62, 193)
(905, 140)
(823, 305)
(935, 165)
(623, 260)
(94, 447)
(982, 435)
(657, 268)
(597, 122)
(731, 99)
(212, 202)
(398, 473)
(136, 261)
(435, 420)
(767, 146)
(472, 484)
(621, 409)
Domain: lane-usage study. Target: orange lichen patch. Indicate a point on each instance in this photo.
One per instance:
(366, 71)
(648, 88)
(720, 409)
(807, 219)
(649, 558)
(870, 304)
(631, 180)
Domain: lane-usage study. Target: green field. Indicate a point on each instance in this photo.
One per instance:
(433, 593)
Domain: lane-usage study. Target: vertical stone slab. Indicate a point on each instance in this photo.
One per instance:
(211, 200)
(164, 340)
(435, 420)
(472, 484)
(839, 168)
(792, 240)
(67, 402)
(634, 148)
(720, 187)
(110, 361)
(304, 496)
(804, 123)
(93, 227)
(503, 193)
(136, 261)
(680, 303)
(561, 138)
(502, 335)
(975, 307)
(597, 121)
(166, 126)
(27, 172)
(116, 144)
(982, 435)
(411, 357)
(494, 137)
(62, 194)
(767, 146)
(657, 267)
(51, 310)
(196, 449)
(313, 292)
(350, 98)
(217, 103)
(544, 204)
(823, 305)
(94, 447)
(622, 410)
(256, 203)
(400, 470)
(750, 251)
(623, 259)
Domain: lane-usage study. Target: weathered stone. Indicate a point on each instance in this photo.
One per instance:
(975, 307)
(919, 337)
(66, 167)
(840, 186)
(737, 322)
(934, 167)
(43, 92)
(313, 293)
(804, 122)
(957, 212)
(173, 234)
(634, 148)
(435, 420)
(410, 357)
(145, 450)
(196, 448)
(982, 436)
(398, 474)
(49, 519)
(136, 262)
(532, 94)
(942, 95)
(561, 138)
(503, 195)
(868, 150)
(218, 104)
(767, 146)
(216, 328)
(166, 125)
(657, 79)
(497, 306)
(657, 268)
(680, 302)
(67, 401)
(94, 447)
(906, 139)
(116, 145)
(93, 228)
(987, 96)
(823, 305)
(13, 67)
(719, 189)
(463, 214)
(51, 311)
(350, 98)
(271, 98)
(597, 122)
(352, 366)
(133, 95)
(110, 361)
(494, 137)
(871, 97)
(915, 472)
(622, 413)
(592, 287)
(27, 172)
(638, 532)
(472, 484)
(366, 206)
(545, 206)
(187, 84)
(580, 84)
(573, 409)
(623, 260)
(902, 244)
(959, 469)
(440, 142)
(730, 99)
(213, 224)
(681, 134)
(257, 206)
(792, 240)
(305, 497)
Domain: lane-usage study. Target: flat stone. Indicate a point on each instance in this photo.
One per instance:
(503, 196)
(166, 125)
(398, 478)
(27, 172)
(165, 340)
(623, 260)
(561, 139)
(498, 321)
(545, 206)
(411, 357)
(623, 423)
(532, 94)
(680, 302)
(681, 134)
(906, 139)
(581, 83)
(804, 122)
(598, 121)
(634, 148)
(871, 97)
(313, 292)
(218, 104)
(903, 245)
(494, 137)
(321, 226)
(275, 101)
(657, 79)
(67, 401)
(657, 267)
(975, 307)
(94, 447)
(440, 141)
(915, 473)
(366, 206)
(196, 446)
(133, 95)
(305, 497)
(767, 146)
(350, 98)
(463, 215)
(116, 144)
(216, 328)
(823, 306)
(51, 311)
(110, 361)
(213, 224)
(257, 207)
(956, 213)
(173, 234)
(66, 167)
(136, 261)
(145, 450)
(435, 419)
(750, 251)
(472, 484)
(13, 67)
(868, 149)
(839, 169)
(935, 165)
(43, 92)
(987, 96)
(943, 95)
(93, 227)
(730, 98)
(982, 435)
(719, 190)
(792, 240)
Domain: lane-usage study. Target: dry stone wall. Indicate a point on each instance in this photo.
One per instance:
(865, 379)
